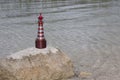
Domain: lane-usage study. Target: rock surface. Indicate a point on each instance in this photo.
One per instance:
(39, 64)
(84, 75)
(5, 74)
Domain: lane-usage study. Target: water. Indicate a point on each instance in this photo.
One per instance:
(87, 30)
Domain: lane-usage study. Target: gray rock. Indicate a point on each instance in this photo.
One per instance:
(36, 64)
(5, 74)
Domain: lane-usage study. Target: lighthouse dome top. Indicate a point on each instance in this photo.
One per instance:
(40, 17)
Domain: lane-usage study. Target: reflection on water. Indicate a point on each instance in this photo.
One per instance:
(18, 8)
(85, 29)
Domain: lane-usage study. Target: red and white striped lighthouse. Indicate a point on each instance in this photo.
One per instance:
(40, 40)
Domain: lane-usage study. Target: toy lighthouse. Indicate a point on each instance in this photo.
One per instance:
(40, 42)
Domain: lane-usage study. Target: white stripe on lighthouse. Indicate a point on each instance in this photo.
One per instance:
(40, 30)
(40, 27)
(41, 35)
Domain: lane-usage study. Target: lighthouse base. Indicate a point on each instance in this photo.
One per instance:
(40, 44)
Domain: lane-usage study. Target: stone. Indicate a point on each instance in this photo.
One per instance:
(39, 64)
(5, 74)
(84, 75)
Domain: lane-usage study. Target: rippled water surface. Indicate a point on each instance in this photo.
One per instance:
(87, 30)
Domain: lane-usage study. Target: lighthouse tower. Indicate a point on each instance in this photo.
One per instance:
(40, 41)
